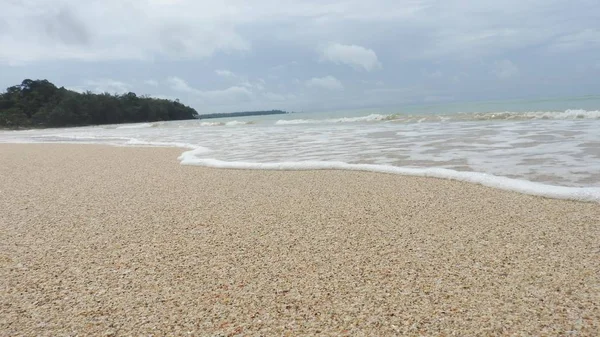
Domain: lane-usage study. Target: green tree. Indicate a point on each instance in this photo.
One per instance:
(39, 103)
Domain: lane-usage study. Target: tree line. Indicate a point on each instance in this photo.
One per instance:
(40, 103)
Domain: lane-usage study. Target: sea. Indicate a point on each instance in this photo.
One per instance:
(545, 147)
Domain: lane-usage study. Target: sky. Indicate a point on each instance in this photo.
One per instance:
(222, 56)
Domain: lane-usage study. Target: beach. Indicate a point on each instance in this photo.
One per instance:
(99, 240)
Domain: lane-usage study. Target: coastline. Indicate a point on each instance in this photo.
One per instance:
(113, 239)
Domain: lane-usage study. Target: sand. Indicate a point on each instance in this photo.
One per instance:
(125, 241)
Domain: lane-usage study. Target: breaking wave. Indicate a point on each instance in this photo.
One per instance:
(136, 126)
(572, 114)
(369, 118)
(230, 123)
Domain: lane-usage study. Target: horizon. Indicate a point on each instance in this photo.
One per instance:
(392, 108)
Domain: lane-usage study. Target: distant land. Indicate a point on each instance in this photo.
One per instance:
(39, 104)
(243, 113)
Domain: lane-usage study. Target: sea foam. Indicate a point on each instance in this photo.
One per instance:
(522, 186)
(136, 126)
(234, 123)
(210, 124)
(368, 118)
(572, 114)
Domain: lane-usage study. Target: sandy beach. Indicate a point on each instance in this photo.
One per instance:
(99, 240)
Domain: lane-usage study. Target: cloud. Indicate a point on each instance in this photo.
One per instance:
(352, 55)
(433, 74)
(224, 73)
(178, 84)
(152, 83)
(587, 38)
(258, 84)
(505, 69)
(274, 97)
(103, 85)
(103, 30)
(227, 96)
(282, 67)
(327, 82)
(66, 27)
(234, 94)
(453, 46)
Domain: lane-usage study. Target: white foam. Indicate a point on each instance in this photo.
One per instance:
(463, 116)
(567, 114)
(369, 118)
(570, 114)
(136, 126)
(81, 137)
(210, 124)
(137, 142)
(234, 123)
(504, 183)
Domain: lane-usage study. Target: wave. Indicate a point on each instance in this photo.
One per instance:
(137, 142)
(136, 126)
(234, 123)
(504, 183)
(369, 118)
(66, 137)
(106, 140)
(573, 114)
(230, 123)
(508, 115)
(210, 124)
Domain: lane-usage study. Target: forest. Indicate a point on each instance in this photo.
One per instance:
(39, 103)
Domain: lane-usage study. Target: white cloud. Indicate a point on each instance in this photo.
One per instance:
(258, 84)
(327, 82)
(229, 95)
(419, 41)
(352, 55)
(224, 73)
(152, 83)
(180, 85)
(587, 38)
(505, 69)
(433, 74)
(274, 97)
(282, 67)
(73, 30)
(167, 97)
(70, 29)
(104, 85)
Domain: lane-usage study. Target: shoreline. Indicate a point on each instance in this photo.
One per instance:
(187, 157)
(100, 239)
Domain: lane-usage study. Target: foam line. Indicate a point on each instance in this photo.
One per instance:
(503, 183)
(369, 118)
(571, 114)
(136, 126)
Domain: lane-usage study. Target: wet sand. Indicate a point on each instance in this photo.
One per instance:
(101, 240)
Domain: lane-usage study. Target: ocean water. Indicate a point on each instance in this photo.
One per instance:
(548, 147)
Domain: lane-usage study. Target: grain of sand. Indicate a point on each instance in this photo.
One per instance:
(124, 241)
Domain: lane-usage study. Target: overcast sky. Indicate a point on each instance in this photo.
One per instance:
(305, 55)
